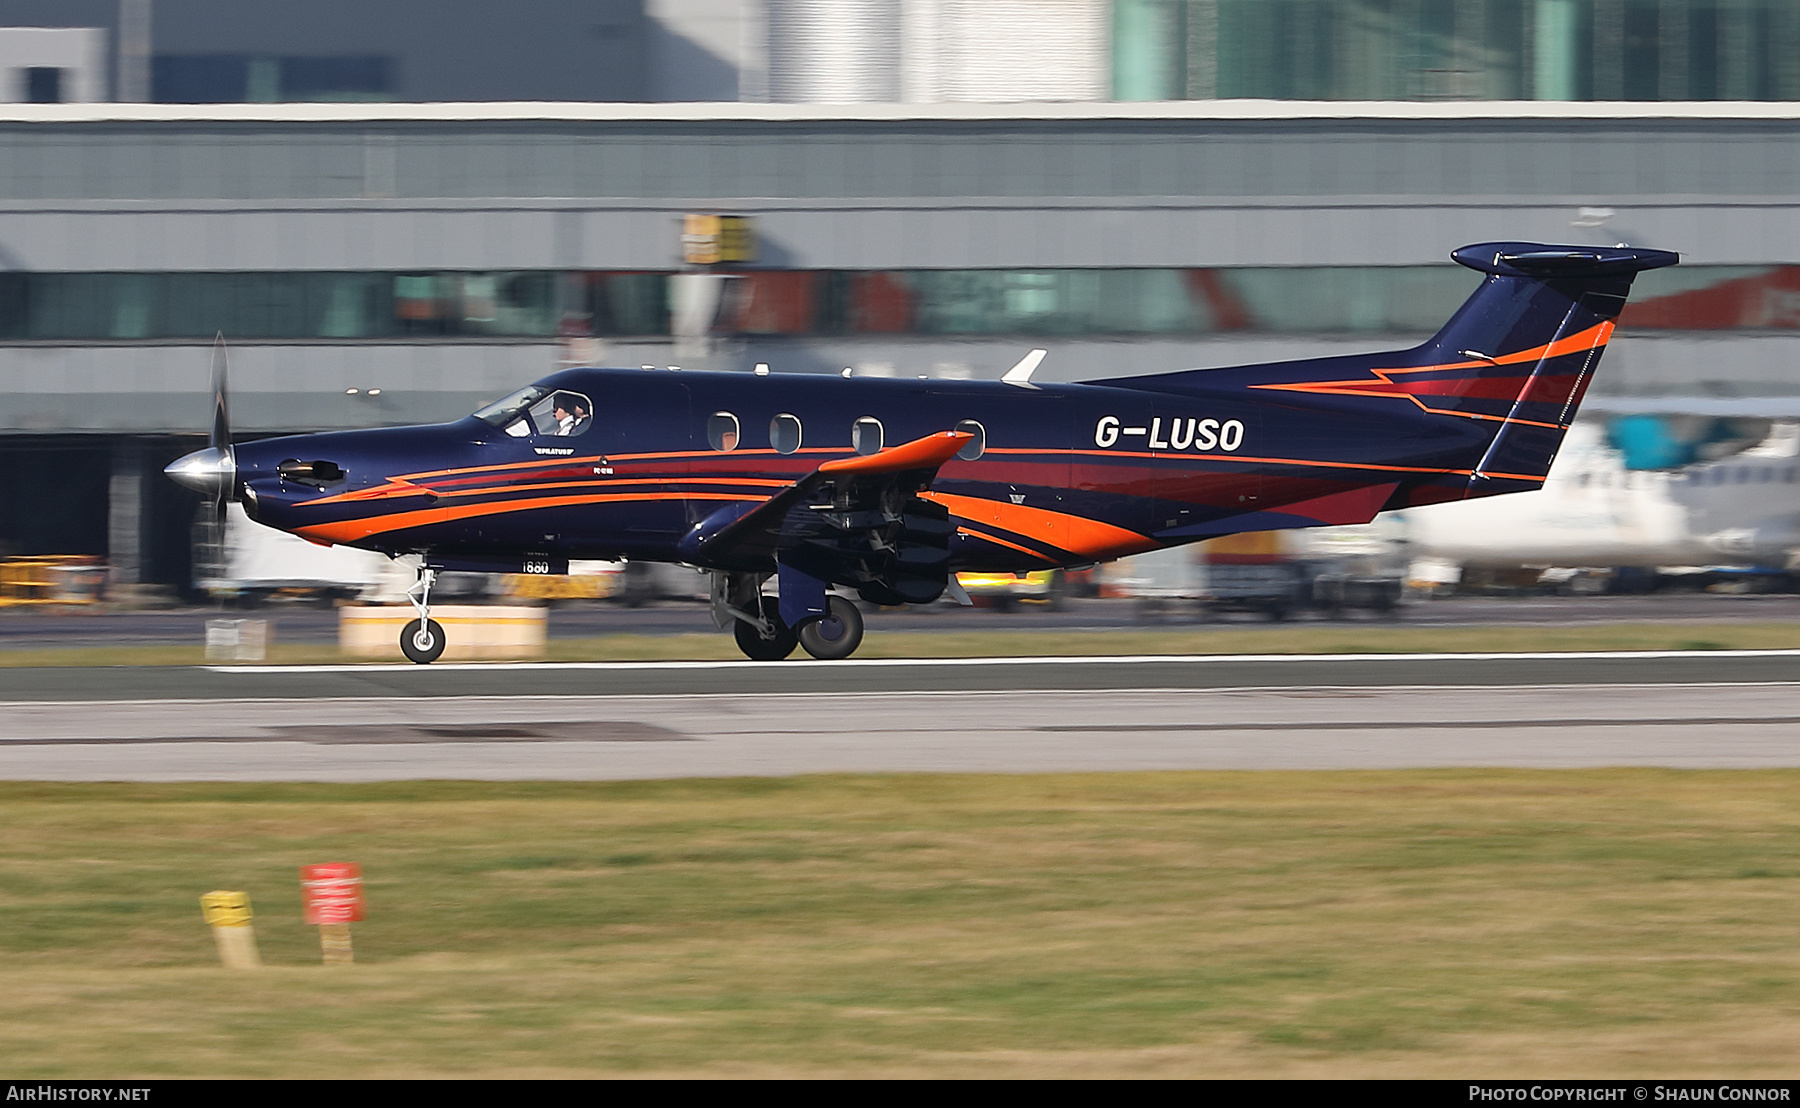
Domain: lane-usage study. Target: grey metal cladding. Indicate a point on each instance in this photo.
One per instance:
(274, 387)
(739, 158)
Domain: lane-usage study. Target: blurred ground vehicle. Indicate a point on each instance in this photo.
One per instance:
(632, 584)
(1331, 569)
(251, 564)
(584, 581)
(1005, 591)
(1361, 565)
(52, 579)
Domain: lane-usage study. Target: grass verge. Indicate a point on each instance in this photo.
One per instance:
(1294, 639)
(1420, 923)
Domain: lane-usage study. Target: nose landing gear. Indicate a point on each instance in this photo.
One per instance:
(422, 640)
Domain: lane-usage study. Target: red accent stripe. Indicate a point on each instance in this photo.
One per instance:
(1237, 458)
(1384, 384)
(350, 530)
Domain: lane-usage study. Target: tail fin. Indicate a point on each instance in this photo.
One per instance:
(1514, 361)
(1521, 351)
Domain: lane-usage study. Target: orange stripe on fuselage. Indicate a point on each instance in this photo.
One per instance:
(350, 530)
(998, 541)
(1384, 384)
(1076, 534)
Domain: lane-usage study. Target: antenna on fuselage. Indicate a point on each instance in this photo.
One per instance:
(1020, 374)
(762, 369)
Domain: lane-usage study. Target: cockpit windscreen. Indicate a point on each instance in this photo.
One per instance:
(502, 412)
(535, 410)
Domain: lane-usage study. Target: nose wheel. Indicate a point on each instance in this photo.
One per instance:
(422, 640)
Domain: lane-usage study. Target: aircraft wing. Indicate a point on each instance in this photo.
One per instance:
(852, 519)
(848, 495)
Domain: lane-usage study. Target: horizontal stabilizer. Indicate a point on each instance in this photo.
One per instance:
(1532, 259)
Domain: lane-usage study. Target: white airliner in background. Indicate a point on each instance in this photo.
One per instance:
(1743, 509)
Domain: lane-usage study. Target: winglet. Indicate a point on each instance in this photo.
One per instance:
(926, 453)
(1020, 374)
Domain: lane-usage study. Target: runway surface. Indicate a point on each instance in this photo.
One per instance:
(644, 720)
(54, 628)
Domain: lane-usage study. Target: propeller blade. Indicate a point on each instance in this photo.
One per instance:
(219, 437)
(214, 470)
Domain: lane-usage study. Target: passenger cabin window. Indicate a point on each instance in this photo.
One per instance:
(974, 447)
(535, 410)
(866, 435)
(723, 431)
(784, 433)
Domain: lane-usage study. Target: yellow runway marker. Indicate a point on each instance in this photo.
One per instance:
(229, 915)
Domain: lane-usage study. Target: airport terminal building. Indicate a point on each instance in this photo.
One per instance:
(391, 263)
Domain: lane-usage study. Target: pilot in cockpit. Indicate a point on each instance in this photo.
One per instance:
(566, 417)
(580, 411)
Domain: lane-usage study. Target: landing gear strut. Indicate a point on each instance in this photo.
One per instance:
(755, 621)
(768, 639)
(422, 640)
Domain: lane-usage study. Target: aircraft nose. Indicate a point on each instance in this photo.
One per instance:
(205, 470)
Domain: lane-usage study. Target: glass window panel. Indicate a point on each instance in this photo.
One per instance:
(972, 449)
(348, 305)
(866, 435)
(630, 303)
(72, 305)
(518, 303)
(132, 306)
(773, 303)
(15, 305)
(881, 303)
(784, 433)
(1399, 300)
(722, 432)
(562, 414)
(503, 410)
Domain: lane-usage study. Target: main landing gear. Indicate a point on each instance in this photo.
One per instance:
(756, 622)
(422, 640)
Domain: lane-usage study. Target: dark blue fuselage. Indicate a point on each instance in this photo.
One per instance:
(1066, 475)
(603, 463)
